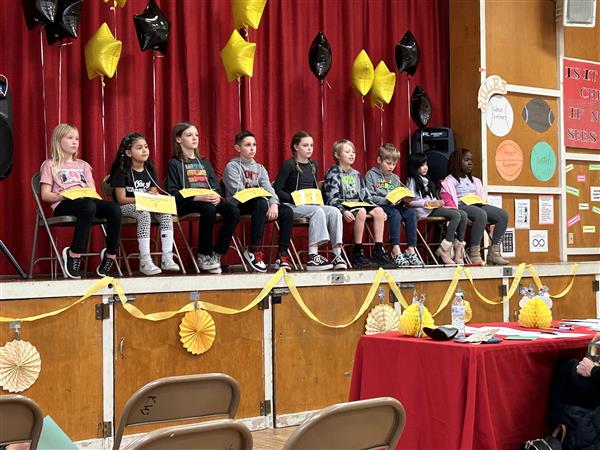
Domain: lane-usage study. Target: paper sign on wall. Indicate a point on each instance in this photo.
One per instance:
(581, 178)
(594, 167)
(538, 241)
(508, 247)
(596, 209)
(573, 220)
(568, 168)
(595, 193)
(522, 213)
(495, 200)
(584, 206)
(546, 209)
(572, 190)
(589, 229)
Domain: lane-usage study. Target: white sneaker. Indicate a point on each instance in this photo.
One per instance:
(167, 263)
(208, 262)
(147, 266)
(216, 258)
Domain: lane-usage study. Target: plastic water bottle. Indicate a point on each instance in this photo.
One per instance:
(458, 313)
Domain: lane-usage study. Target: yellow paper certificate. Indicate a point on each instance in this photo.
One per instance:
(74, 193)
(352, 205)
(472, 199)
(400, 193)
(308, 197)
(164, 204)
(248, 194)
(191, 192)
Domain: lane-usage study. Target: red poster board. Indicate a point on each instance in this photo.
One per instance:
(581, 111)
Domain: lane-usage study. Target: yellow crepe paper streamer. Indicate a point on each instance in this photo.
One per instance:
(238, 57)
(247, 13)
(538, 282)
(383, 85)
(362, 74)
(102, 53)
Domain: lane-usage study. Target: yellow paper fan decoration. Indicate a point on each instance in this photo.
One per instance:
(535, 314)
(247, 13)
(362, 74)
(468, 312)
(411, 322)
(382, 318)
(197, 330)
(20, 366)
(383, 85)
(238, 57)
(102, 53)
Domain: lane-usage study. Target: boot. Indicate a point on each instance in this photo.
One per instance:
(475, 255)
(494, 258)
(147, 266)
(459, 252)
(444, 251)
(167, 263)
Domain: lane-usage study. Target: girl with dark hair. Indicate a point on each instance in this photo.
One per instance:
(132, 171)
(187, 169)
(324, 222)
(427, 203)
(461, 183)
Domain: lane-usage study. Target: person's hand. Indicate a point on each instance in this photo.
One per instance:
(210, 198)
(348, 216)
(273, 212)
(596, 338)
(585, 366)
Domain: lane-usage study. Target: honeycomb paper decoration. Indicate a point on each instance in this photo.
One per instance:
(382, 318)
(411, 322)
(197, 330)
(20, 366)
(535, 314)
(468, 312)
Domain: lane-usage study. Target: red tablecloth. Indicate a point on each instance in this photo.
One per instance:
(463, 396)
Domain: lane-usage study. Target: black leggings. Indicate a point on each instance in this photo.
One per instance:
(86, 210)
(257, 208)
(208, 213)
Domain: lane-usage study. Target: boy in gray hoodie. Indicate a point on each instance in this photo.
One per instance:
(242, 173)
(380, 181)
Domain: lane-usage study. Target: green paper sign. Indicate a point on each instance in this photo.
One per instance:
(543, 161)
(572, 190)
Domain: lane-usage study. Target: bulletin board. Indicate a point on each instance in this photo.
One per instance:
(583, 204)
(522, 151)
(522, 242)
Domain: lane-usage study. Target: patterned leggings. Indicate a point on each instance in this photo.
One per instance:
(144, 220)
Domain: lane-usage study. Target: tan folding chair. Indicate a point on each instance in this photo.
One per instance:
(21, 420)
(226, 434)
(182, 397)
(364, 424)
(427, 222)
(107, 192)
(48, 223)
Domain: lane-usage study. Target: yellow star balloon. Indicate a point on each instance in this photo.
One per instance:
(238, 57)
(383, 85)
(121, 3)
(247, 13)
(102, 53)
(362, 73)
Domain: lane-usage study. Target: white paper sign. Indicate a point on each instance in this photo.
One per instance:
(595, 193)
(499, 115)
(495, 200)
(538, 241)
(508, 247)
(522, 213)
(546, 209)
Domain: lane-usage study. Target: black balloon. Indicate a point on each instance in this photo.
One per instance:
(407, 54)
(152, 28)
(319, 56)
(66, 23)
(420, 107)
(39, 12)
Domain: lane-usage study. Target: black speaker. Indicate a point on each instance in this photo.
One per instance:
(438, 145)
(6, 133)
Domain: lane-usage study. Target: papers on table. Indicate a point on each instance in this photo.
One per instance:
(592, 324)
(75, 193)
(524, 334)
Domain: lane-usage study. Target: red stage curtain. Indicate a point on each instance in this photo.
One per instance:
(282, 97)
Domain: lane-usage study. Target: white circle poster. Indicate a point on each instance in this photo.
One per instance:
(499, 115)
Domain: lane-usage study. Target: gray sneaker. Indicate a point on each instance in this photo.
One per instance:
(413, 259)
(207, 262)
(400, 260)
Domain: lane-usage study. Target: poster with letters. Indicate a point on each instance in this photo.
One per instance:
(546, 209)
(522, 213)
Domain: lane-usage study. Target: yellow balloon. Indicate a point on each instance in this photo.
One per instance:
(121, 3)
(383, 85)
(238, 57)
(247, 13)
(102, 53)
(362, 73)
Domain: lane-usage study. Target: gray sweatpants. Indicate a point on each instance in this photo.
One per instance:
(457, 222)
(324, 223)
(482, 215)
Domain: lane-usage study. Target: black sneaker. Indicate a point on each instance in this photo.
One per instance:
(73, 266)
(360, 261)
(317, 262)
(382, 260)
(106, 264)
(339, 263)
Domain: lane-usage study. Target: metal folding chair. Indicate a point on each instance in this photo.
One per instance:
(20, 420)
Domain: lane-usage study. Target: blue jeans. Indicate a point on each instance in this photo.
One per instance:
(395, 216)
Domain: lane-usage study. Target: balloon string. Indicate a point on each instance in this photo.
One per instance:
(250, 103)
(103, 129)
(154, 101)
(408, 116)
(364, 132)
(323, 124)
(240, 100)
(381, 125)
(44, 93)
